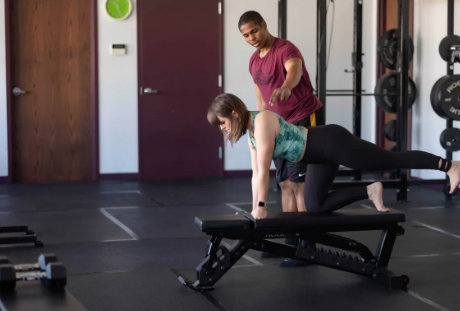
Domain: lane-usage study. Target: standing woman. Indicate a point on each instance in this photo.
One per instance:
(322, 148)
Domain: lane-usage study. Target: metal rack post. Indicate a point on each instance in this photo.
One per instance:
(357, 65)
(357, 71)
(402, 109)
(450, 71)
(321, 38)
(282, 19)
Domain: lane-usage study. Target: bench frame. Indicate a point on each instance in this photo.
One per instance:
(341, 253)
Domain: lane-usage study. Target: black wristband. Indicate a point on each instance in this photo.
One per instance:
(445, 165)
(261, 204)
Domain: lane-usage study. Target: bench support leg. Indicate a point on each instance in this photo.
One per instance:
(339, 253)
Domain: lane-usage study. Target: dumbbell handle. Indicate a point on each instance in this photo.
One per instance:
(35, 276)
(30, 276)
(59, 273)
(26, 267)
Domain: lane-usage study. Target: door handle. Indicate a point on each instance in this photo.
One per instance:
(149, 90)
(18, 91)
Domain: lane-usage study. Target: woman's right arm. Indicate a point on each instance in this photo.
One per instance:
(266, 129)
(254, 174)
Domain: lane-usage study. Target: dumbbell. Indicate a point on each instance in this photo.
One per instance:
(51, 273)
(40, 265)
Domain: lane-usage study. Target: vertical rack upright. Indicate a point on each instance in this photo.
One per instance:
(282, 19)
(402, 107)
(357, 64)
(450, 71)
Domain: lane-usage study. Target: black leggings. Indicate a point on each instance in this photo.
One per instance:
(329, 146)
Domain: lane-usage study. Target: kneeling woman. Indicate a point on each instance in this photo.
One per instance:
(322, 149)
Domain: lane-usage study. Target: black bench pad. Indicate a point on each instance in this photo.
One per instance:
(229, 222)
(341, 219)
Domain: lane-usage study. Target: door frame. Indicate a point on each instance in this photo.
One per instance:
(220, 6)
(94, 95)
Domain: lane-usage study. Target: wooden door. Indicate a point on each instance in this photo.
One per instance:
(50, 54)
(180, 60)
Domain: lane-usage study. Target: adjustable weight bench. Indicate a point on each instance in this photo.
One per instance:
(317, 244)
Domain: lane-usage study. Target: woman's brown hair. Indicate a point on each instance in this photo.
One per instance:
(223, 106)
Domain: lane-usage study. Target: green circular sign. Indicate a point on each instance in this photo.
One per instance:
(118, 9)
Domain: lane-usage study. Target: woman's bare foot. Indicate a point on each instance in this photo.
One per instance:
(454, 176)
(375, 193)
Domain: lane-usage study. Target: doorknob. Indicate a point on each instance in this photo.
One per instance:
(149, 90)
(18, 91)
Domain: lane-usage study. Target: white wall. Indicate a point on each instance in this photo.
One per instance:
(302, 31)
(3, 123)
(428, 68)
(237, 79)
(118, 126)
(339, 41)
(369, 72)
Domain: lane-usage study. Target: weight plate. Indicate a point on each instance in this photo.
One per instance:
(390, 129)
(445, 97)
(387, 92)
(450, 139)
(445, 46)
(434, 94)
(388, 47)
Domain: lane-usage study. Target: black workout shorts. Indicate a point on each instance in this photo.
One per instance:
(295, 171)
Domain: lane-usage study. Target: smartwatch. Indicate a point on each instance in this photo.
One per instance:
(261, 204)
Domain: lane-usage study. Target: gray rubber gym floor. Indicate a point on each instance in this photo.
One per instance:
(123, 242)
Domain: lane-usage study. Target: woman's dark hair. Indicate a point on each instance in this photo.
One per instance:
(250, 16)
(223, 106)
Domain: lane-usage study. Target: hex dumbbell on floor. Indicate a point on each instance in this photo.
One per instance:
(53, 274)
(43, 261)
